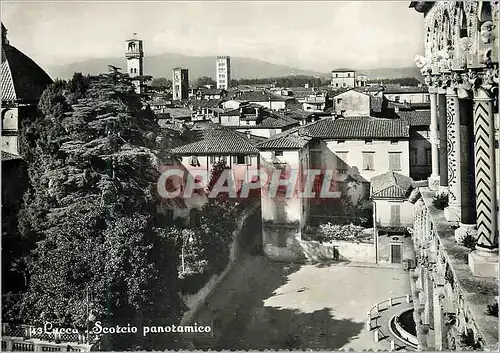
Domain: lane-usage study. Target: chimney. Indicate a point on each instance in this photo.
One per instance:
(396, 108)
(248, 134)
(256, 112)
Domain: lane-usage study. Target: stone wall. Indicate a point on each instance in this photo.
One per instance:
(195, 301)
(285, 244)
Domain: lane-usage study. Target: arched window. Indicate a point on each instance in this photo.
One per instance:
(131, 46)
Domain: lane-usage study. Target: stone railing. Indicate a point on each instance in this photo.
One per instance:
(451, 305)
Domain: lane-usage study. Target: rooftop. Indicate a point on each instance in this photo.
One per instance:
(358, 128)
(218, 140)
(6, 156)
(391, 185)
(21, 78)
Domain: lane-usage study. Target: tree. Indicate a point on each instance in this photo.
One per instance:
(205, 80)
(91, 217)
(161, 82)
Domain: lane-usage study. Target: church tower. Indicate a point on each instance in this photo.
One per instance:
(135, 57)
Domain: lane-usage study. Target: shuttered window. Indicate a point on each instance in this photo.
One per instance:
(394, 160)
(368, 161)
(413, 156)
(342, 165)
(395, 214)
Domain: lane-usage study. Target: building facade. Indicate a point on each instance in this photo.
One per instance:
(455, 280)
(343, 78)
(223, 71)
(135, 60)
(180, 83)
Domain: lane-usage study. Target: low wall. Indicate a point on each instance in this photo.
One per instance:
(196, 301)
(285, 244)
(347, 251)
(281, 243)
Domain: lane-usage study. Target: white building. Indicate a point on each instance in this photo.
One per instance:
(343, 78)
(223, 71)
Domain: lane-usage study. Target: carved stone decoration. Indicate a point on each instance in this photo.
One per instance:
(487, 34)
(451, 145)
(486, 203)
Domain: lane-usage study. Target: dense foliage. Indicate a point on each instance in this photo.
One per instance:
(284, 81)
(204, 81)
(93, 237)
(207, 242)
(403, 81)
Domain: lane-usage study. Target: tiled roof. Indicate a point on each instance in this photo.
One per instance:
(416, 117)
(277, 121)
(284, 142)
(6, 156)
(343, 70)
(261, 96)
(22, 79)
(218, 140)
(178, 112)
(205, 103)
(391, 185)
(413, 89)
(359, 128)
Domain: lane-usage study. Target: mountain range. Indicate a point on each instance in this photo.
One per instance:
(162, 65)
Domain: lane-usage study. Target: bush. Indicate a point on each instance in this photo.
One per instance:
(350, 232)
(470, 242)
(493, 309)
(440, 200)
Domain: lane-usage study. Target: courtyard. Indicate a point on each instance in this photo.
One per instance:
(273, 305)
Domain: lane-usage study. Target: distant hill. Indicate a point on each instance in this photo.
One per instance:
(162, 65)
(393, 73)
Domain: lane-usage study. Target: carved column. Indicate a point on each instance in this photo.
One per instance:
(484, 261)
(452, 212)
(434, 178)
(443, 155)
(468, 197)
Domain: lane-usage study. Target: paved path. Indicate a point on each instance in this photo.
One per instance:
(270, 305)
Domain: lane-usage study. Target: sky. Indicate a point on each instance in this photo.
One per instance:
(303, 34)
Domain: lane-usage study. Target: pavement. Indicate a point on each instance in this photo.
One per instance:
(271, 305)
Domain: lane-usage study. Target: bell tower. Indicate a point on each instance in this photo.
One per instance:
(135, 56)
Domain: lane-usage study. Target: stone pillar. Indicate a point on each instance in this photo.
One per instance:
(434, 178)
(438, 318)
(452, 212)
(443, 154)
(467, 168)
(484, 260)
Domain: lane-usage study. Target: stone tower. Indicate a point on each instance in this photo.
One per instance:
(135, 60)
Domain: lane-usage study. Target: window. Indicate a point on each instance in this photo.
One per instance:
(336, 75)
(339, 100)
(396, 98)
(340, 142)
(394, 142)
(194, 161)
(278, 153)
(368, 161)
(342, 165)
(394, 160)
(428, 156)
(215, 159)
(344, 84)
(396, 214)
(368, 142)
(242, 160)
(413, 156)
(348, 75)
